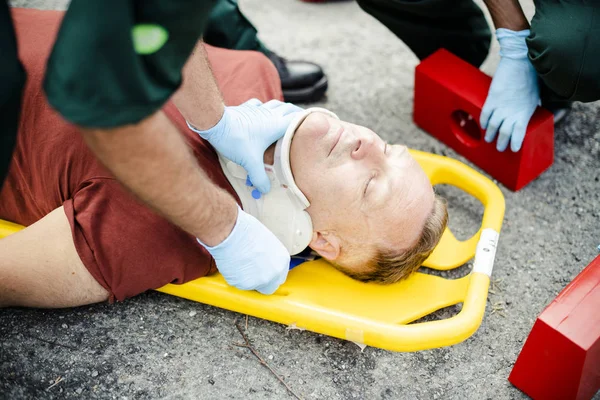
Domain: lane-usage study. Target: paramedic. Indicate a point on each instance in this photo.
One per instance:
(113, 66)
(555, 59)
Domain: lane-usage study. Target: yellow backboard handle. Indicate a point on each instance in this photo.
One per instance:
(451, 252)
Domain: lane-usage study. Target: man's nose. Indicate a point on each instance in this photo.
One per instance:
(363, 147)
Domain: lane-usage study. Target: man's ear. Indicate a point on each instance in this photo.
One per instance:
(327, 244)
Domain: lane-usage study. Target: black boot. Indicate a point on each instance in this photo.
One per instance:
(301, 81)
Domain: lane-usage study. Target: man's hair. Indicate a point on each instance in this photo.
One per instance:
(389, 266)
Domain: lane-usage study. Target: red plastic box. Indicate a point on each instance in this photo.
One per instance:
(561, 357)
(449, 96)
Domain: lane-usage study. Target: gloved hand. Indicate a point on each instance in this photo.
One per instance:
(514, 93)
(245, 131)
(251, 257)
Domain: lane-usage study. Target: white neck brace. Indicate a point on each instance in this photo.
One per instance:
(282, 210)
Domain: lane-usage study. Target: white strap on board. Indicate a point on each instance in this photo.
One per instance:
(486, 252)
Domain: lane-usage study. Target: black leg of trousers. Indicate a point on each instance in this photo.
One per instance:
(12, 81)
(428, 25)
(564, 48)
(229, 28)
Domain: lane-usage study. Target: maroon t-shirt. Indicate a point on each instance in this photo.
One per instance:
(126, 247)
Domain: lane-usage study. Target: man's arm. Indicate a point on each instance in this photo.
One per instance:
(198, 84)
(507, 14)
(40, 267)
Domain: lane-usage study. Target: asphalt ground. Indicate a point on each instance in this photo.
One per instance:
(158, 346)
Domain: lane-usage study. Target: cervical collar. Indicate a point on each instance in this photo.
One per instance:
(283, 209)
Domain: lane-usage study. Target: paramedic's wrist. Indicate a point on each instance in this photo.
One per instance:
(221, 220)
(513, 95)
(208, 128)
(507, 14)
(251, 257)
(215, 132)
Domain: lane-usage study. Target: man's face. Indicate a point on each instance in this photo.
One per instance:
(364, 194)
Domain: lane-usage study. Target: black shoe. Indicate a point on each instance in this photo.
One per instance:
(301, 81)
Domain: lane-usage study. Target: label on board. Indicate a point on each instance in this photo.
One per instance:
(486, 252)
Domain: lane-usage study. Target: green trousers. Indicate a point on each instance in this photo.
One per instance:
(564, 45)
(229, 28)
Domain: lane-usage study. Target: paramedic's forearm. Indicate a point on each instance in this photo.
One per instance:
(199, 99)
(507, 14)
(152, 160)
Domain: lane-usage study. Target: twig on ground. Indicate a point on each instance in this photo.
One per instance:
(499, 308)
(56, 382)
(246, 322)
(262, 361)
(51, 342)
(496, 285)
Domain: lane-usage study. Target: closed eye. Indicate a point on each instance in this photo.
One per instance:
(367, 185)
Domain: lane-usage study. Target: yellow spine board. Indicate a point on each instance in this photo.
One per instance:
(319, 298)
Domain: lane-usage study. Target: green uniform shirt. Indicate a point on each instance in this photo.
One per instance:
(116, 62)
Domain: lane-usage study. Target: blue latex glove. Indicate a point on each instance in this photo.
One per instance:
(245, 131)
(251, 258)
(514, 93)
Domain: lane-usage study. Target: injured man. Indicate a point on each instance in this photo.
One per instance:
(337, 188)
